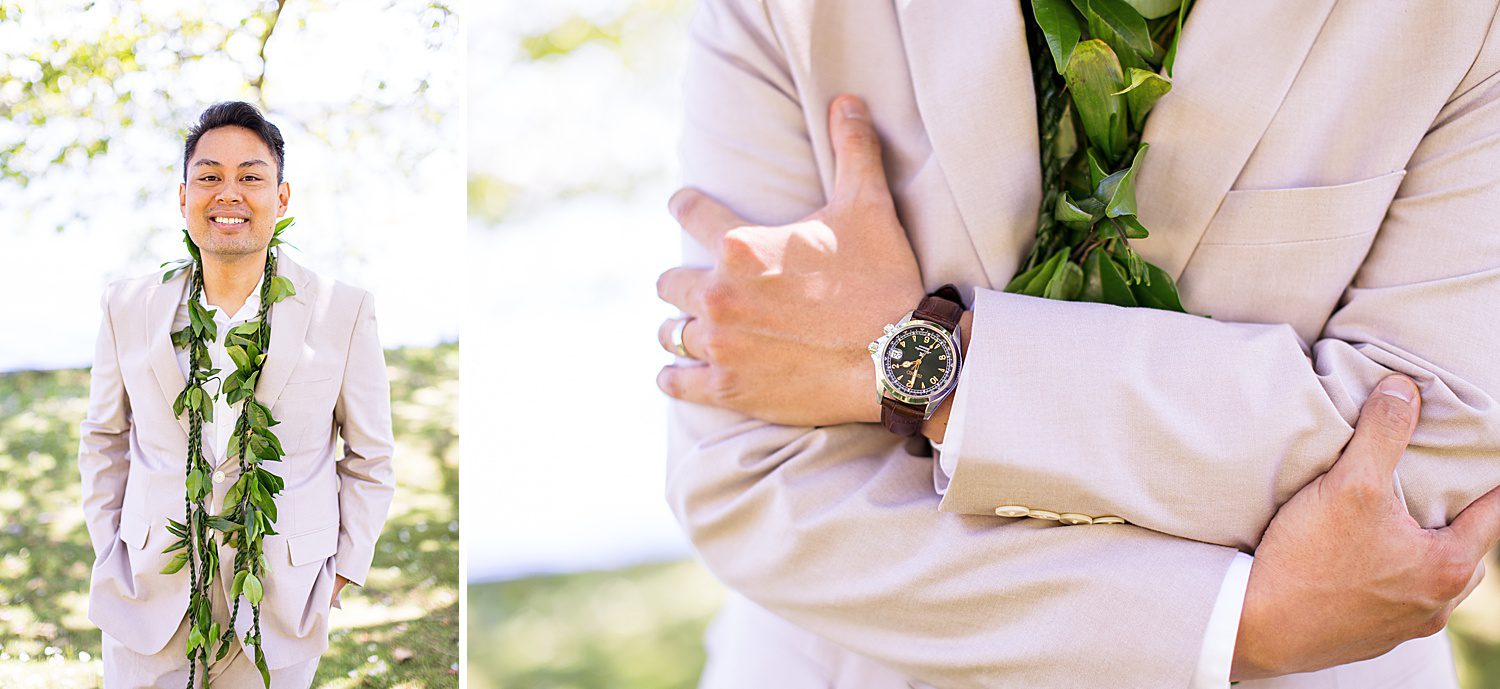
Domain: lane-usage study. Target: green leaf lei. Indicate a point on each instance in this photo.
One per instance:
(250, 503)
(1099, 66)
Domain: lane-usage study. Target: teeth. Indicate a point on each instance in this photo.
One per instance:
(229, 221)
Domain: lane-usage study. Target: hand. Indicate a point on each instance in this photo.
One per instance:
(339, 583)
(782, 321)
(1344, 573)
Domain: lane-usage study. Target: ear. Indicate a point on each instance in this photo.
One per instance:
(182, 197)
(283, 197)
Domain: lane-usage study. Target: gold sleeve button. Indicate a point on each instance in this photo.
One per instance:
(1108, 519)
(1012, 510)
(1043, 514)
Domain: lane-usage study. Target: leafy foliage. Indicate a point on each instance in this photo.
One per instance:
(249, 512)
(1099, 67)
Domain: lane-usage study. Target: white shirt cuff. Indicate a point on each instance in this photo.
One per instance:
(1223, 627)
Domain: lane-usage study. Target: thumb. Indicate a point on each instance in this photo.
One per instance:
(857, 162)
(1477, 527)
(1380, 435)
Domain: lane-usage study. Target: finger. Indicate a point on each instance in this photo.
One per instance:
(690, 332)
(1380, 436)
(856, 148)
(683, 288)
(686, 383)
(705, 219)
(1477, 527)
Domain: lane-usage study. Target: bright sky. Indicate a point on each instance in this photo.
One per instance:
(565, 432)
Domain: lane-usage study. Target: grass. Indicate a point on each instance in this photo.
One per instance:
(642, 628)
(398, 632)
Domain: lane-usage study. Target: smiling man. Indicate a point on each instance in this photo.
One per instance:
(170, 480)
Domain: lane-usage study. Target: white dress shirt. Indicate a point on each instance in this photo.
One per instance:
(1217, 654)
(216, 432)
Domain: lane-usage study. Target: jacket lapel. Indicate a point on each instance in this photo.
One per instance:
(160, 311)
(971, 73)
(289, 322)
(1235, 64)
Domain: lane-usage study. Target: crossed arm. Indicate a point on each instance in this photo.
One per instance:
(783, 512)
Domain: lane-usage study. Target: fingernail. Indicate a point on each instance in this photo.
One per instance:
(850, 109)
(1397, 386)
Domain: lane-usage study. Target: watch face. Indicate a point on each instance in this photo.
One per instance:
(919, 361)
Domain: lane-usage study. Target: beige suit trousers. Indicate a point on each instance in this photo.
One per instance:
(168, 669)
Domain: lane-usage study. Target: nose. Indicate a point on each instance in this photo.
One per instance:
(229, 193)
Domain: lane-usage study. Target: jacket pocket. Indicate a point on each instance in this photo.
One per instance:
(313, 546)
(135, 530)
(1250, 217)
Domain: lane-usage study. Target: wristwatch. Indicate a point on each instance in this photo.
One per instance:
(917, 361)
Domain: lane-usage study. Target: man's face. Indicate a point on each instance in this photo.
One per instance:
(231, 199)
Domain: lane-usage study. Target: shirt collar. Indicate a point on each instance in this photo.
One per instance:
(249, 310)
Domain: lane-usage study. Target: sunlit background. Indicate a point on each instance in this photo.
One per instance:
(579, 575)
(95, 96)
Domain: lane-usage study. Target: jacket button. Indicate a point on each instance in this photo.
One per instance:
(219, 476)
(1108, 520)
(1043, 514)
(1012, 510)
(1073, 518)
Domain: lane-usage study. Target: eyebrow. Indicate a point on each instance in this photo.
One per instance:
(201, 162)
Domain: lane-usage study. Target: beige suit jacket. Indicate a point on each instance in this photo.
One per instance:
(1323, 180)
(324, 378)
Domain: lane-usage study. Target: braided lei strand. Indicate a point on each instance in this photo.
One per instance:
(249, 512)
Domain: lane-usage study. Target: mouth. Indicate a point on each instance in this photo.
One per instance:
(228, 222)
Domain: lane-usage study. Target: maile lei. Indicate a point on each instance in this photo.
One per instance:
(250, 503)
(1099, 66)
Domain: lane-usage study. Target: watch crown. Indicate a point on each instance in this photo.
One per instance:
(873, 346)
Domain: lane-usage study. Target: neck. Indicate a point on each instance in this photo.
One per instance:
(228, 280)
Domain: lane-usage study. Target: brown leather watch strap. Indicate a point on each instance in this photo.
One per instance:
(900, 418)
(944, 307)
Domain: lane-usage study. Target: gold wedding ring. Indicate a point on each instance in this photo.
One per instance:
(678, 347)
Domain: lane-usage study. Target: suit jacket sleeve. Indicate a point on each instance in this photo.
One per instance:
(367, 481)
(104, 439)
(837, 528)
(1202, 428)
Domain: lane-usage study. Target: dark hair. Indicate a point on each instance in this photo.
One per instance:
(236, 114)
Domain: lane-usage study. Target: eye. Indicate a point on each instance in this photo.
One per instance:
(209, 178)
(251, 178)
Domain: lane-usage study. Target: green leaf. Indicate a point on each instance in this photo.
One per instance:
(1154, 9)
(1123, 20)
(177, 528)
(280, 289)
(178, 544)
(1104, 282)
(1146, 87)
(1158, 291)
(195, 484)
(1061, 25)
(253, 590)
(175, 564)
(1038, 284)
(238, 585)
(195, 639)
(1097, 173)
(1066, 283)
(1117, 191)
(1018, 283)
(1171, 58)
(241, 359)
(181, 264)
(1094, 76)
(1067, 213)
(260, 664)
(1133, 227)
(283, 224)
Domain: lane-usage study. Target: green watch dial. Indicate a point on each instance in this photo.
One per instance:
(919, 361)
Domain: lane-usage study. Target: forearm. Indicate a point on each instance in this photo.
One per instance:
(1186, 425)
(836, 529)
